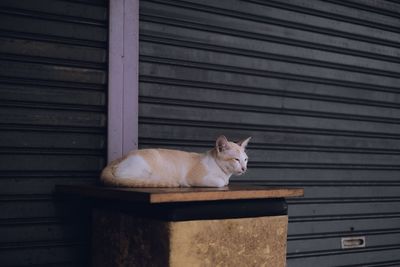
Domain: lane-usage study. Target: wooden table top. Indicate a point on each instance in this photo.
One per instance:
(168, 195)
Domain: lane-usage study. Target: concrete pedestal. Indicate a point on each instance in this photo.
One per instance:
(123, 240)
(187, 227)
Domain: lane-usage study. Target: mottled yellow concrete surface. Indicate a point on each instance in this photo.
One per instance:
(232, 242)
(121, 240)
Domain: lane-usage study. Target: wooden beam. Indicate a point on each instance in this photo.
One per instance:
(167, 195)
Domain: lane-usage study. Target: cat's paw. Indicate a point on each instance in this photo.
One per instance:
(214, 183)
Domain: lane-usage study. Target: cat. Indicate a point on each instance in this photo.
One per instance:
(174, 168)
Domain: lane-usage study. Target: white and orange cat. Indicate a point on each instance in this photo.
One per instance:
(173, 168)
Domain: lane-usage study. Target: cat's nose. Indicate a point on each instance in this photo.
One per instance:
(243, 169)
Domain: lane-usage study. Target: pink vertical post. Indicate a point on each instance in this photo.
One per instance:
(123, 81)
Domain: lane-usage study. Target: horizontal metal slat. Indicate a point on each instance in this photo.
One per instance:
(52, 254)
(257, 66)
(335, 11)
(348, 257)
(289, 18)
(248, 100)
(11, 234)
(334, 243)
(62, 8)
(52, 95)
(192, 143)
(343, 209)
(51, 140)
(41, 71)
(181, 75)
(38, 25)
(324, 175)
(259, 30)
(37, 184)
(297, 228)
(170, 34)
(215, 115)
(55, 163)
(259, 157)
(50, 61)
(227, 70)
(349, 191)
(389, 8)
(315, 157)
(231, 126)
(37, 48)
(51, 117)
(203, 136)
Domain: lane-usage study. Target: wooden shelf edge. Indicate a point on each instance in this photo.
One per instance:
(168, 195)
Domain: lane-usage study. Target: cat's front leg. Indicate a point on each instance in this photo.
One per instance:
(213, 182)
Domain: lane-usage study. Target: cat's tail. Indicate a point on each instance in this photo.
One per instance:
(108, 178)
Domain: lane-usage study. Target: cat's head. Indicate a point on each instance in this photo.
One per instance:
(231, 156)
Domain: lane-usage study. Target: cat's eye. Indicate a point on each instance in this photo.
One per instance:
(238, 160)
(245, 159)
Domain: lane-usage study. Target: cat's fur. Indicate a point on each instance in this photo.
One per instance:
(173, 168)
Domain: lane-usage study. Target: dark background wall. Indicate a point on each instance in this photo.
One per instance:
(315, 83)
(53, 69)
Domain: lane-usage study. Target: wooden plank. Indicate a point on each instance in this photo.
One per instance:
(230, 193)
(166, 195)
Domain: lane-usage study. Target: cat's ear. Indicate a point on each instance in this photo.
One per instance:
(244, 142)
(221, 144)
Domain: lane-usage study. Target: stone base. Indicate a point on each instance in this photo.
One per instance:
(122, 240)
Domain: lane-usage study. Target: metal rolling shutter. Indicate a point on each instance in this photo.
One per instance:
(53, 73)
(316, 83)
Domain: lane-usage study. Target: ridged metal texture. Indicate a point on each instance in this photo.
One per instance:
(53, 73)
(315, 83)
